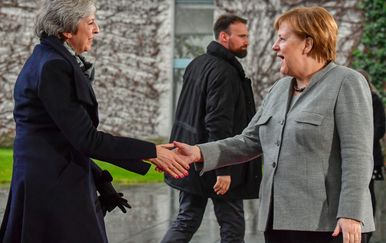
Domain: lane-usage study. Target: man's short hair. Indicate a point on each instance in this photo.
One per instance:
(224, 21)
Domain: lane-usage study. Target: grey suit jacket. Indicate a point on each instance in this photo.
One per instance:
(317, 154)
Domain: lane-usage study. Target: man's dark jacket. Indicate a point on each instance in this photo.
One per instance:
(53, 194)
(216, 102)
(379, 130)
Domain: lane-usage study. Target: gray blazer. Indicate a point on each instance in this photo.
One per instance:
(317, 154)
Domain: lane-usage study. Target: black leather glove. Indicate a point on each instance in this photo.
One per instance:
(111, 201)
(108, 196)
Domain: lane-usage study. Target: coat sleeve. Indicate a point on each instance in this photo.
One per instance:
(354, 120)
(56, 91)
(222, 95)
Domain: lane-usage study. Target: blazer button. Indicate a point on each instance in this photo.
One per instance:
(274, 164)
(277, 143)
(282, 122)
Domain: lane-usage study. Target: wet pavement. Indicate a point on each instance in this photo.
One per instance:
(154, 206)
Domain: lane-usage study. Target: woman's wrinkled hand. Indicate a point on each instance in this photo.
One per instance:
(170, 162)
(190, 154)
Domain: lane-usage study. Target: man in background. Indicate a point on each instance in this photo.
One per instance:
(216, 102)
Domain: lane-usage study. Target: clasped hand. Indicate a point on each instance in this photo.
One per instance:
(175, 158)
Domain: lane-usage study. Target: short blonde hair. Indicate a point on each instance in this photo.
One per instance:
(317, 23)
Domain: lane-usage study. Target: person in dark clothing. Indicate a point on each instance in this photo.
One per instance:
(379, 132)
(216, 102)
(53, 195)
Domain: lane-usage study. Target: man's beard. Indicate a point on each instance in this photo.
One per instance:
(241, 53)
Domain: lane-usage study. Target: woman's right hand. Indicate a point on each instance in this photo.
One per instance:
(174, 158)
(170, 162)
(190, 154)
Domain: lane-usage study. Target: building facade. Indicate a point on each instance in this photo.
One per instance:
(143, 48)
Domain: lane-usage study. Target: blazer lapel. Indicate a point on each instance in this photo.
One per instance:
(319, 76)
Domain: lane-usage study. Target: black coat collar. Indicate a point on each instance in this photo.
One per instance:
(83, 87)
(216, 49)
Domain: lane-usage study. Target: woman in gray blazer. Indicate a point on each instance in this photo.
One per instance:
(313, 130)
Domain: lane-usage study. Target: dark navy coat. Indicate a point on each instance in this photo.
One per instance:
(53, 196)
(216, 102)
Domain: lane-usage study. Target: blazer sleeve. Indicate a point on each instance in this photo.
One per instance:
(56, 91)
(354, 120)
(235, 150)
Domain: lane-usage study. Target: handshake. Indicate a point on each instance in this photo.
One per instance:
(175, 158)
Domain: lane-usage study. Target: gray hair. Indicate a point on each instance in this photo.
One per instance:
(58, 16)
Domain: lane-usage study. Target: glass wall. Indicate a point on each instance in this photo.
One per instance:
(193, 32)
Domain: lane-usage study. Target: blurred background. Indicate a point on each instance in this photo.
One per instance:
(140, 57)
(144, 47)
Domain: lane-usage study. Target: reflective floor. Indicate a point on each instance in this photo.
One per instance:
(155, 205)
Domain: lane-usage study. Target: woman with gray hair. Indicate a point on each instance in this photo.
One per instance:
(55, 185)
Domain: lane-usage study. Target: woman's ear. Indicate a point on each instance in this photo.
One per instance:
(67, 35)
(308, 45)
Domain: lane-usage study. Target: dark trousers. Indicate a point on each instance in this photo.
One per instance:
(289, 236)
(229, 214)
